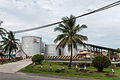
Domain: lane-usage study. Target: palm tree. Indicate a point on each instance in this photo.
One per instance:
(69, 35)
(9, 44)
(2, 32)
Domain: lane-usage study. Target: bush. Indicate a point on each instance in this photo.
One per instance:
(101, 62)
(3, 60)
(37, 59)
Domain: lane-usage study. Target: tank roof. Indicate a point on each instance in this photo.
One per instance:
(31, 36)
(50, 44)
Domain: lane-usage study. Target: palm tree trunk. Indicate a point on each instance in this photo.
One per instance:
(70, 57)
(9, 56)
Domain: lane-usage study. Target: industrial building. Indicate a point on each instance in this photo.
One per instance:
(32, 45)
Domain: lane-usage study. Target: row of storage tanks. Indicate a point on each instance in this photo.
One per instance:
(32, 45)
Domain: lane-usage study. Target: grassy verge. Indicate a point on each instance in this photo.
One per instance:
(107, 75)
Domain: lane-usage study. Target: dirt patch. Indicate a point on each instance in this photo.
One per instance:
(110, 75)
(102, 71)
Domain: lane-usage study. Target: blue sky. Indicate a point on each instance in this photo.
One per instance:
(103, 27)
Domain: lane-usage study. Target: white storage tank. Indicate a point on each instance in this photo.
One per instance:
(42, 47)
(50, 50)
(31, 45)
(68, 53)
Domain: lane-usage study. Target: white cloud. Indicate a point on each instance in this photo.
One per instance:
(103, 27)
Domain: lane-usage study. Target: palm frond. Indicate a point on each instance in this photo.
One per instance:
(62, 43)
(9, 44)
(81, 37)
(61, 36)
(2, 32)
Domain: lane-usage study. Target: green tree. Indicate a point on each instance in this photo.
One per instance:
(100, 62)
(37, 59)
(9, 44)
(69, 35)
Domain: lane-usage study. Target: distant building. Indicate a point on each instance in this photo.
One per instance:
(32, 45)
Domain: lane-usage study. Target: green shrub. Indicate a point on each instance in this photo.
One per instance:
(38, 58)
(101, 62)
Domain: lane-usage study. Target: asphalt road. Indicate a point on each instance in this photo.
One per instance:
(24, 76)
(11, 76)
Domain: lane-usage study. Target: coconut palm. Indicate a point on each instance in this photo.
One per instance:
(9, 44)
(69, 35)
(2, 32)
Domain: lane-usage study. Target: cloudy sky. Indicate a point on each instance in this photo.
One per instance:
(103, 27)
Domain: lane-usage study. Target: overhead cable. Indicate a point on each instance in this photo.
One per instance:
(94, 11)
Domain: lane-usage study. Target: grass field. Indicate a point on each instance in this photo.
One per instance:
(92, 73)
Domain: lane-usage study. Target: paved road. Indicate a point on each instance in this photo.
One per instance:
(23, 76)
(10, 76)
(15, 66)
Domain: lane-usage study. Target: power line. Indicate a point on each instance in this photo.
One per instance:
(97, 10)
(101, 9)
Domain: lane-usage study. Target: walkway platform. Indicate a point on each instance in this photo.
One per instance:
(14, 66)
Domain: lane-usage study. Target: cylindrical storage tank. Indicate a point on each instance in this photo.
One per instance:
(50, 50)
(42, 47)
(31, 45)
(68, 53)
